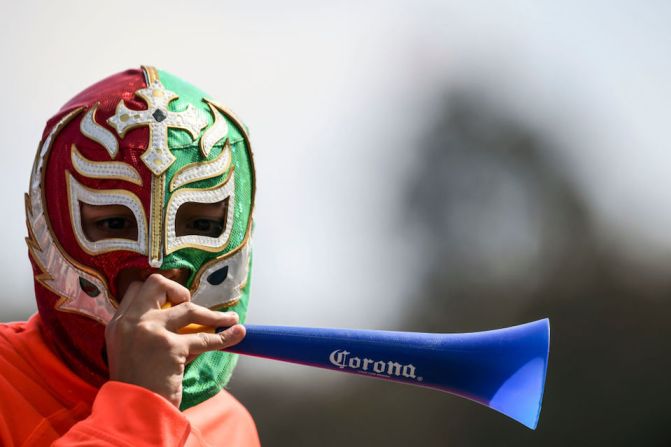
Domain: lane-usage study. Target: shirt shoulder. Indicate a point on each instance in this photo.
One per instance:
(222, 417)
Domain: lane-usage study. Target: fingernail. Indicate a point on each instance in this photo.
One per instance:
(231, 314)
(237, 330)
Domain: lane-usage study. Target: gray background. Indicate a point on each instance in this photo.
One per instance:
(432, 166)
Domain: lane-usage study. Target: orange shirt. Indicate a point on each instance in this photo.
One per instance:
(42, 402)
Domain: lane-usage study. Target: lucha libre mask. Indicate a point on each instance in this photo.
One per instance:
(147, 141)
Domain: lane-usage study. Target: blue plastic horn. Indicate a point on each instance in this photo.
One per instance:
(503, 369)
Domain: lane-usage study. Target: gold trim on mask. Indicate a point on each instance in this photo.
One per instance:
(217, 131)
(150, 74)
(104, 302)
(232, 117)
(231, 287)
(156, 220)
(230, 303)
(194, 172)
(158, 118)
(31, 240)
(90, 128)
(117, 170)
(34, 246)
(78, 193)
(214, 194)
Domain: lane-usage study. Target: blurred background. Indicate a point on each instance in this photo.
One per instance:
(425, 166)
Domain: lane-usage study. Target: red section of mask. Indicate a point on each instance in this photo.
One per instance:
(79, 339)
(107, 94)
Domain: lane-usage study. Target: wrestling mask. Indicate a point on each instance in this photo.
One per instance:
(150, 144)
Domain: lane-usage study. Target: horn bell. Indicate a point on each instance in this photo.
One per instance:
(503, 369)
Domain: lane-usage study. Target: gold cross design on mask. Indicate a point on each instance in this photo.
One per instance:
(157, 157)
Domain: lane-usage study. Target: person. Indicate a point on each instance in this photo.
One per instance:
(139, 215)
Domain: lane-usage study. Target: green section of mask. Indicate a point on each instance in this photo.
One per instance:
(210, 372)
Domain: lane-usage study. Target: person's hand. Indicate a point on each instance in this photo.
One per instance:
(143, 346)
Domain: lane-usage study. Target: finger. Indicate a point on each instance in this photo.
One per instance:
(202, 342)
(189, 313)
(128, 298)
(156, 291)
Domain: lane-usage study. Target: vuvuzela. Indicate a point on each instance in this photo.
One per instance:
(503, 369)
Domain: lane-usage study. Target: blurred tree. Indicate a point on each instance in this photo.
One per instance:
(506, 238)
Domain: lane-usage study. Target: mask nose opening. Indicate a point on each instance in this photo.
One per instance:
(88, 287)
(218, 276)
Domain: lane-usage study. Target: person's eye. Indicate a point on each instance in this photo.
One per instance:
(101, 222)
(205, 227)
(114, 228)
(114, 224)
(201, 219)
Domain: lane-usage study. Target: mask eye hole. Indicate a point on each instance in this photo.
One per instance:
(201, 219)
(101, 222)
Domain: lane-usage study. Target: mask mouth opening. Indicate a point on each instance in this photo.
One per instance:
(126, 276)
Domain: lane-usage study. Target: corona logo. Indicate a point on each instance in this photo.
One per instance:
(342, 359)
